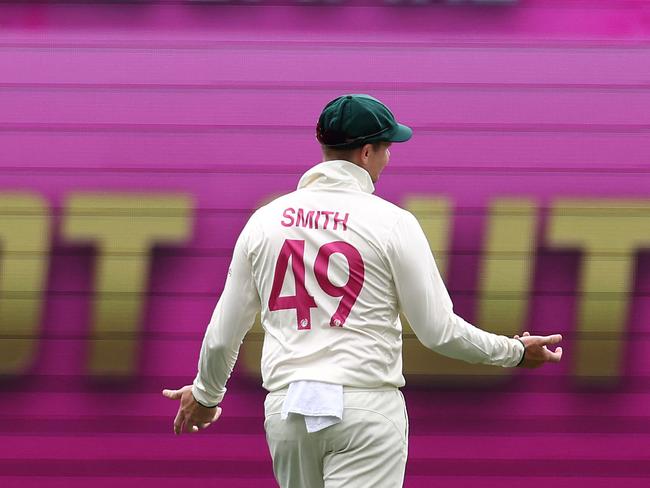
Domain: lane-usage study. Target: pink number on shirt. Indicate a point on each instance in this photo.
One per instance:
(302, 301)
(350, 291)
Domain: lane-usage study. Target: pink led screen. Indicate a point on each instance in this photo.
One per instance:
(136, 139)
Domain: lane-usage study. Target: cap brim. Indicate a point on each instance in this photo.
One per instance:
(401, 134)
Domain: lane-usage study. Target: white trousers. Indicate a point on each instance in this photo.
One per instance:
(367, 449)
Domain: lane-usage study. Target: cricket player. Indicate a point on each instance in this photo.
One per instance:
(329, 267)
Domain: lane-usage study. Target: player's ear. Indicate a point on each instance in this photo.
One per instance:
(365, 152)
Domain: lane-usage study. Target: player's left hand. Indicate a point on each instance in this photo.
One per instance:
(536, 352)
(191, 415)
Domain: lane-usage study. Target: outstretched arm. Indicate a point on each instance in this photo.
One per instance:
(425, 301)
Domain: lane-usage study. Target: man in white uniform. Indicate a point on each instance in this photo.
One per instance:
(329, 267)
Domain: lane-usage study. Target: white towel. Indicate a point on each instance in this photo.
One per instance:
(320, 403)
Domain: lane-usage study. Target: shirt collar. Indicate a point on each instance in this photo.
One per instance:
(337, 173)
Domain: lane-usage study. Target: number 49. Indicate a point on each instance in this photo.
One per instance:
(302, 301)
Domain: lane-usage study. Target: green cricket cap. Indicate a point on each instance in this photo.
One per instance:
(354, 120)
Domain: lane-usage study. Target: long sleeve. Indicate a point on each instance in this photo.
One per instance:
(232, 317)
(426, 303)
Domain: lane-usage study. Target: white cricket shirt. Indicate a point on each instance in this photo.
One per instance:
(329, 267)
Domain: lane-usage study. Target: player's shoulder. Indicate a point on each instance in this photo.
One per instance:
(264, 214)
(385, 204)
(271, 206)
(390, 212)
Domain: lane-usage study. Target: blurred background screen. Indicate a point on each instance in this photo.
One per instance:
(136, 138)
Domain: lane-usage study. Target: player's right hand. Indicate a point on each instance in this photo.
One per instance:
(191, 416)
(536, 352)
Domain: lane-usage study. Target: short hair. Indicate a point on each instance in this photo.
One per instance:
(346, 152)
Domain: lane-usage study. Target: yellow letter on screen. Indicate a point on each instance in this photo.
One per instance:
(609, 232)
(24, 256)
(421, 364)
(506, 272)
(433, 216)
(124, 227)
(504, 284)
